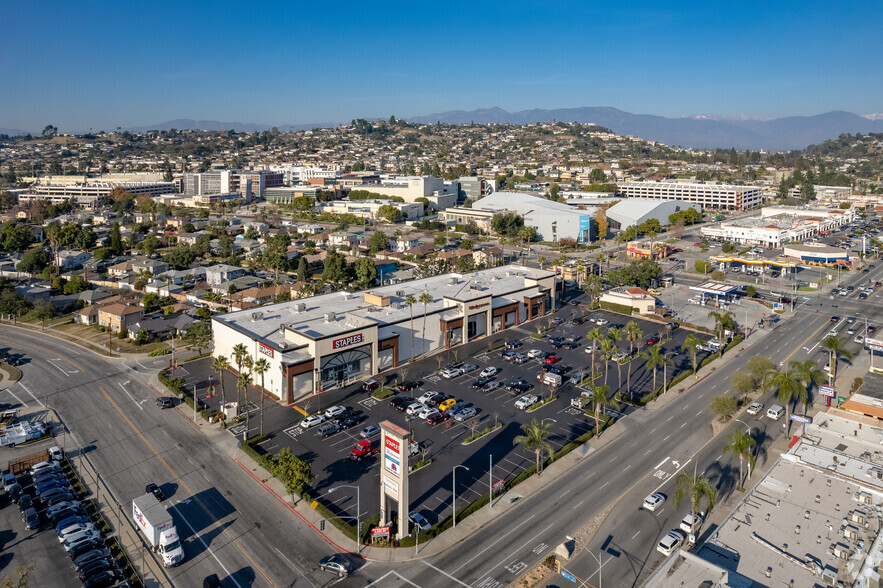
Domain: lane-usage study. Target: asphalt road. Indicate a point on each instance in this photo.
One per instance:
(229, 526)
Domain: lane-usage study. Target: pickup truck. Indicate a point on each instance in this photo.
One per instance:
(362, 449)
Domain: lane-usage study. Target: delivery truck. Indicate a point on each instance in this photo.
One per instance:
(157, 525)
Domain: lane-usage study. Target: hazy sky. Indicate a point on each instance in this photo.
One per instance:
(97, 64)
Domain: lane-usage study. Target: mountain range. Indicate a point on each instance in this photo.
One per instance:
(742, 132)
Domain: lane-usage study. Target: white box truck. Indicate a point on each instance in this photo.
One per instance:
(157, 525)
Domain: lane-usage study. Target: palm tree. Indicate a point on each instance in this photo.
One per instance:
(260, 368)
(740, 444)
(542, 261)
(615, 335)
(410, 301)
(592, 287)
(594, 336)
(690, 343)
(807, 373)
(599, 399)
(425, 299)
(836, 350)
(697, 488)
(633, 334)
(219, 364)
(723, 321)
(655, 359)
(534, 439)
(240, 352)
(608, 347)
(788, 388)
(243, 381)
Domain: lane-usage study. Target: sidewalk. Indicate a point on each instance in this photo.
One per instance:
(118, 515)
(9, 376)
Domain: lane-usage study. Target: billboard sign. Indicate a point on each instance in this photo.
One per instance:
(875, 344)
(801, 419)
(827, 391)
(393, 455)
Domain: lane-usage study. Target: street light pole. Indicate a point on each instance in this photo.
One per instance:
(454, 499)
(597, 559)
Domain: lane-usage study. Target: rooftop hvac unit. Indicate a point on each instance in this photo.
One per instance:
(864, 497)
(841, 551)
(400, 293)
(453, 281)
(858, 517)
(330, 317)
(300, 307)
(850, 532)
(829, 577)
(282, 345)
(257, 316)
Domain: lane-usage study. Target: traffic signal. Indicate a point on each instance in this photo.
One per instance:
(322, 525)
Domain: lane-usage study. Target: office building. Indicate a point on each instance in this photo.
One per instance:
(708, 196)
(93, 195)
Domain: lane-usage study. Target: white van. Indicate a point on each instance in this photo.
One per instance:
(775, 412)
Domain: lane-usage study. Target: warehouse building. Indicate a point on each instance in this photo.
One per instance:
(631, 212)
(553, 221)
(323, 342)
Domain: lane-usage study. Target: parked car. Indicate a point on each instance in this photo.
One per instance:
(407, 386)
(426, 412)
(102, 553)
(369, 431)
(327, 429)
(534, 353)
(82, 547)
(437, 417)
(71, 520)
(652, 340)
(522, 388)
(492, 385)
(414, 408)
(57, 495)
(464, 414)
(691, 524)
(446, 404)
(480, 382)
(165, 402)
(488, 372)
(552, 359)
(370, 385)
(333, 411)
(755, 408)
(31, 519)
(8, 481)
(450, 373)
(95, 567)
(418, 520)
(103, 579)
(400, 402)
(312, 421)
(468, 367)
(526, 401)
(670, 542)
(351, 421)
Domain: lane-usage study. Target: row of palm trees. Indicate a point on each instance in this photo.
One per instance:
(241, 357)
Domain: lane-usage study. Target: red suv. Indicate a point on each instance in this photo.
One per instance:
(653, 340)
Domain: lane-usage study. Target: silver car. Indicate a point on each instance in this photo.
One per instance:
(464, 414)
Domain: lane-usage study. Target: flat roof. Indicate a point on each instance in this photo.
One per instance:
(307, 316)
(715, 288)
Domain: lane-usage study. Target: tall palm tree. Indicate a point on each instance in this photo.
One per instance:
(615, 335)
(697, 488)
(633, 334)
(690, 343)
(240, 352)
(608, 348)
(219, 364)
(788, 387)
(655, 359)
(836, 350)
(534, 439)
(599, 399)
(807, 373)
(260, 368)
(723, 321)
(425, 299)
(579, 272)
(411, 301)
(542, 261)
(594, 336)
(243, 382)
(741, 443)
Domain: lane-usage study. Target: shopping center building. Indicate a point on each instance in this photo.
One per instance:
(324, 342)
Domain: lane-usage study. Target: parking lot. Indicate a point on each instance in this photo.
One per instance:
(431, 487)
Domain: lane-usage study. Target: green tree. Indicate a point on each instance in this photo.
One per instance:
(13, 304)
(167, 171)
(759, 366)
(180, 258)
(366, 272)
(599, 401)
(142, 337)
(467, 245)
(788, 387)
(76, 284)
(44, 311)
(378, 242)
(608, 348)
(240, 353)
(728, 248)
(260, 368)
(116, 240)
(302, 269)
(724, 406)
(602, 223)
(593, 287)
(533, 438)
(697, 489)
(149, 245)
(507, 223)
(595, 337)
(743, 384)
(633, 334)
(150, 300)
(411, 301)
(690, 343)
(655, 359)
(389, 213)
(425, 298)
(836, 350)
(702, 266)
(198, 336)
(751, 291)
(740, 444)
(807, 372)
(220, 365)
(33, 261)
(440, 241)
(723, 321)
(243, 382)
(292, 471)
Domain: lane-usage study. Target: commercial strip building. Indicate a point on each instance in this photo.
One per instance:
(93, 195)
(816, 253)
(463, 216)
(553, 221)
(829, 218)
(314, 344)
(778, 225)
(370, 208)
(812, 520)
(713, 196)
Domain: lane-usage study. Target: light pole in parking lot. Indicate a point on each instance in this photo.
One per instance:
(358, 529)
(454, 499)
(586, 549)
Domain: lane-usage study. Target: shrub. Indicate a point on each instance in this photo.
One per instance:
(856, 384)
(382, 393)
(723, 407)
(159, 352)
(620, 308)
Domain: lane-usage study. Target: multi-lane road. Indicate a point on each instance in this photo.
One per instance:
(232, 527)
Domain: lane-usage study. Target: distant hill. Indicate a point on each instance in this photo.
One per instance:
(795, 132)
(215, 125)
(12, 132)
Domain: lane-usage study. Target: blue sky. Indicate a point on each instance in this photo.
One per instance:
(100, 65)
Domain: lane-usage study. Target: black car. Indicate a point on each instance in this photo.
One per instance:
(437, 399)
(579, 320)
(558, 369)
(67, 512)
(512, 384)
(835, 319)
(522, 388)
(103, 579)
(84, 547)
(89, 556)
(347, 413)
(94, 567)
(400, 402)
(480, 382)
(165, 402)
(570, 345)
(407, 386)
(352, 421)
(156, 491)
(57, 495)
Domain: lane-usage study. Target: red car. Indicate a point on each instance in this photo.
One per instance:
(552, 359)
(653, 340)
(437, 417)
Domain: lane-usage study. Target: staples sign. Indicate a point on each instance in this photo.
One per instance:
(268, 351)
(346, 341)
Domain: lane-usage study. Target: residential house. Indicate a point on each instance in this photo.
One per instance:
(403, 243)
(178, 277)
(71, 259)
(237, 284)
(91, 297)
(154, 266)
(161, 327)
(490, 256)
(34, 293)
(124, 266)
(190, 239)
(118, 316)
(220, 273)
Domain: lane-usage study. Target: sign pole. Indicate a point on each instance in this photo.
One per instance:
(490, 483)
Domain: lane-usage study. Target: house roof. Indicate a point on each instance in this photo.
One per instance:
(120, 309)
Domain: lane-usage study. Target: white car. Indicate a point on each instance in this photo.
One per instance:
(415, 408)
(450, 373)
(653, 501)
(334, 411)
(426, 396)
(534, 353)
(72, 530)
(426, 411)
(526, 401)
(601, 322)
(833, 332)
(755, 407)
(488, 372)
(691, 526)
(468, 367)
(312, 421)
(79, 538)
(670, 542)
(860, 339)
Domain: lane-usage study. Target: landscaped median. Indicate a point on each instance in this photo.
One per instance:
(540, 403)
(479, 434)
